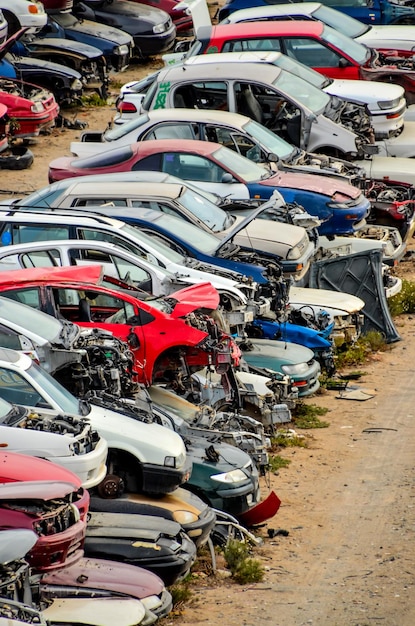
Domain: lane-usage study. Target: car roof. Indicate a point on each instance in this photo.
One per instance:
(250, 30)
(76, 273)
(58, 216)
(166, 190)
(236, 71)
(195, 115)
(190, 146)
(296, 8)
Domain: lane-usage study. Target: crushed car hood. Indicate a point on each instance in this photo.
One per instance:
(66, 45)
(312, 182)
(370, 92)
(36, 490)
(194, 297)
(15, 467)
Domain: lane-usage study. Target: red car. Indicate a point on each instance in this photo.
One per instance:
(316, 45)
(159, 340)
(31, 109)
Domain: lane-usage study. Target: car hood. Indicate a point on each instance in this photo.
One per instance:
(67, 45)
(189, 299)
(387, 32)
(280, 351)
(109, 575)
(15, 544)
(135, 11)
(107, 33)
(15, 467)
(369, 92)
(238, 226)
(325, 298)
(267, 235)
(325, 185)
(36, 490)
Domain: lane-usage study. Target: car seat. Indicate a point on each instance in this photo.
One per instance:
(84, 310)
(249, 105)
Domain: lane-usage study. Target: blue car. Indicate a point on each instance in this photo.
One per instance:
(373, 12)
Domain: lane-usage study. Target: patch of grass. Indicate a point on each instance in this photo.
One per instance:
(243, 567)
(276, 462)
(358, 353)
(181, 591)
(288, 440)
(308, 416)
(404, 301)
(93, 100)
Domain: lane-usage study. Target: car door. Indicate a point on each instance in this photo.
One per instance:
(204, 172)
(320, 56)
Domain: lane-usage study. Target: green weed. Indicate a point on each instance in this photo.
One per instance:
(358, 353)
(243, 567)
(404, 301)
(276, 462)
(93, 100)
(308, 416)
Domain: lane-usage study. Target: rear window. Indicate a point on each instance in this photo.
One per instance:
(108, 158)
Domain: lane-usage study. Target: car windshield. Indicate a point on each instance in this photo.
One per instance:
(303, 92)
(269, 140)
(32, 320)
(10, 413)
(216, 218)
(189, 234)
(249, 171)
(66, 402)
(42, 199)
(302, 71)
(121, 130)
(340, 21)
(351, 48)
(152, 243)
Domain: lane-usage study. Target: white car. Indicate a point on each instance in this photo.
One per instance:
(382, 37)
(147, 457)
(66, 440)
(392, 120)
(24, 14)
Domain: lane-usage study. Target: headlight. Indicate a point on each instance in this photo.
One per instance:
(122, 50)
(234, 476)
(170, 461)
(160, 28)
(292, 370)
(184, 517)
(37, 107)
(76, 85)
(151, 602)
(389, 104)
(294, 253)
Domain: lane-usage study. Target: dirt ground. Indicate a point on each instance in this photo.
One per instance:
(347, 499)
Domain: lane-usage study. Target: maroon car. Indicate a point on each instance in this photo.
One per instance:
(48, 507)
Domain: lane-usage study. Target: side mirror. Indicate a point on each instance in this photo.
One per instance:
(343, 63)
(227, 178)
(273, 157)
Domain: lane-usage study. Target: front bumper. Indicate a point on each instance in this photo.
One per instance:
(403, 145)
(161, 479)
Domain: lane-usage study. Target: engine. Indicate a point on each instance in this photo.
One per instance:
(107, 364)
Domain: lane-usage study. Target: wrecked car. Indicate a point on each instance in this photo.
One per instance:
(158, 338)
(48, 508)
(146, 457)
(155, 543)
(63, 439)
(196, 518)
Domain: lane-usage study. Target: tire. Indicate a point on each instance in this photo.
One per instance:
(17, 158)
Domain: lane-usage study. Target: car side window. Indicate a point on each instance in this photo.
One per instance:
(156, 206)
(100, 202)
(310, 52)
(41, 258)
(150, 163)
(17, 390)
(21, 233)
(29, 296)
(177, 130)
(191, 167)
(202, 95)
(233, 140)
(261, 44)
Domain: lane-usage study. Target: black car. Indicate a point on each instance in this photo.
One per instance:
(64, 82)
(88, 60)
(155, 543)
(152, 29)
(115, 44)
